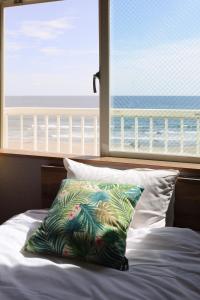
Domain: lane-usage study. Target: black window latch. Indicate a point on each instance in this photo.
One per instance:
(97, 75)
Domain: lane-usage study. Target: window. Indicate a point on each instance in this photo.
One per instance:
(154, 106)
(149, 74)
(51, 53)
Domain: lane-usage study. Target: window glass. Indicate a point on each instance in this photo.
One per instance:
(51, 53)
(154, 77)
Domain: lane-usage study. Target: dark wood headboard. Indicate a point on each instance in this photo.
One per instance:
(187, 195)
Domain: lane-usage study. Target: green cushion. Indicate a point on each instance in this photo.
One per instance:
(88, 220)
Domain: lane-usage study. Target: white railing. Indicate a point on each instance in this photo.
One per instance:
(77, 130)
(36, 129)
(179, 141)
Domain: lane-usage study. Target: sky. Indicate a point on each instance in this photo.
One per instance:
(155, 47)
(52, 48)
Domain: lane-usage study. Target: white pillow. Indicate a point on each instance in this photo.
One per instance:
(158, 188)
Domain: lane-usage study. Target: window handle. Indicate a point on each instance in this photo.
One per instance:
(95, 76)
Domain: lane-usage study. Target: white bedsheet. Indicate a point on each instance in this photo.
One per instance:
(164, 264)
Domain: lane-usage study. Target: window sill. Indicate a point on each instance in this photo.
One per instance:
(116, 162)
(26, 153)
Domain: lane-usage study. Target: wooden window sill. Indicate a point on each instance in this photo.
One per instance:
(105, 161)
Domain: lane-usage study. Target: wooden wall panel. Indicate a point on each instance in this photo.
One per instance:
(20, 185)
(51, 180)
(187, 204)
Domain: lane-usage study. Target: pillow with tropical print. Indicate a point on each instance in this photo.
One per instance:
(88, 220)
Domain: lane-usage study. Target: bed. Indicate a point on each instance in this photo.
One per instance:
(164, 263)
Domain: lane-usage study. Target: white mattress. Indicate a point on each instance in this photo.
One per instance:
(164, 264)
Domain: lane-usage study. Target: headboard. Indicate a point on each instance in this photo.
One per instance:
(187, 194)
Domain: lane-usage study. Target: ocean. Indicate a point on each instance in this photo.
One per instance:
(143, 102)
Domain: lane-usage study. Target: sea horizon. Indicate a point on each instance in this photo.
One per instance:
(137, 102)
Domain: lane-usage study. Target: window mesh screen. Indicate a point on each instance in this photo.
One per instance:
(154, 76)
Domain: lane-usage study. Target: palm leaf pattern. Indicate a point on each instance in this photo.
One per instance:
(122, 208)
(113, 250)
(87, 244)
(99, 196)
(105, 214)
(88, 220)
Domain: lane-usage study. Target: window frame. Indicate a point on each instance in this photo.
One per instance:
(9, 3)
(1, 72)
(104, 50)
(104, 31)
(104, 66)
